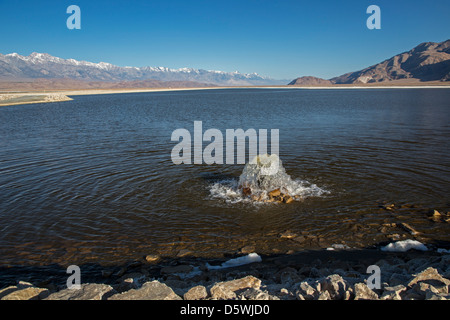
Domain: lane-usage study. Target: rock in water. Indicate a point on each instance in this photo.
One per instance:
(246, 191)
(275, 193)
(288, 199)
(152, 258)
(408, 228)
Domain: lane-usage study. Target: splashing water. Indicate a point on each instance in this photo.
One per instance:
(259, 177)
(264, 173)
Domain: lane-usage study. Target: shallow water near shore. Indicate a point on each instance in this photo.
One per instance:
(92, 180)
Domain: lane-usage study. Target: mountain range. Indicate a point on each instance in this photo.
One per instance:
(429, 61)
(45, 66)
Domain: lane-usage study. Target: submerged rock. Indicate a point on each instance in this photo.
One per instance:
(247, 249)
(408, 228)
(288, 235)
(152, 258)
(389, 206)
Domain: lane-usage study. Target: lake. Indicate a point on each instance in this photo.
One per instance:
(92, 180)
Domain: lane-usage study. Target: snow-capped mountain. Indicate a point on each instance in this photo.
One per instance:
(43, 65)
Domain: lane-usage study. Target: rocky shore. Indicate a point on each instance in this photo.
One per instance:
(339, 274)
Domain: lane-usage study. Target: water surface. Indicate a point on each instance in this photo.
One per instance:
(91, 180)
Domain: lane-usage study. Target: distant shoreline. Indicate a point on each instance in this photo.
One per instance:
(10, 98)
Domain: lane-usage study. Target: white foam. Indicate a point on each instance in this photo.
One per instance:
(250, 258)
(229, 191)
(404, 245)
(262, 175)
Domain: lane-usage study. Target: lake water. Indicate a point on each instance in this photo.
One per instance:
(92, 180)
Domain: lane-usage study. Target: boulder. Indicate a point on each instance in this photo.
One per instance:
(436, 296)
(349, 294)
(222, 293)
(285, 294)
(87, 291)
(226, 290)
(153, 290)
(363, 292)
(20, 286)
(307, 291)
(254, 294)
(335, 285)
(393, 293)
(196, 293)
(429, 274)
(7, 290)
(324, 296)
(413, 295)
(29, 293)
(422, 289)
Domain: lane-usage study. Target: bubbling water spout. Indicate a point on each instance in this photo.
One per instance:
(265, 179)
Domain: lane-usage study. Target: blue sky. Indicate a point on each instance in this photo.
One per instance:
(276, 38)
